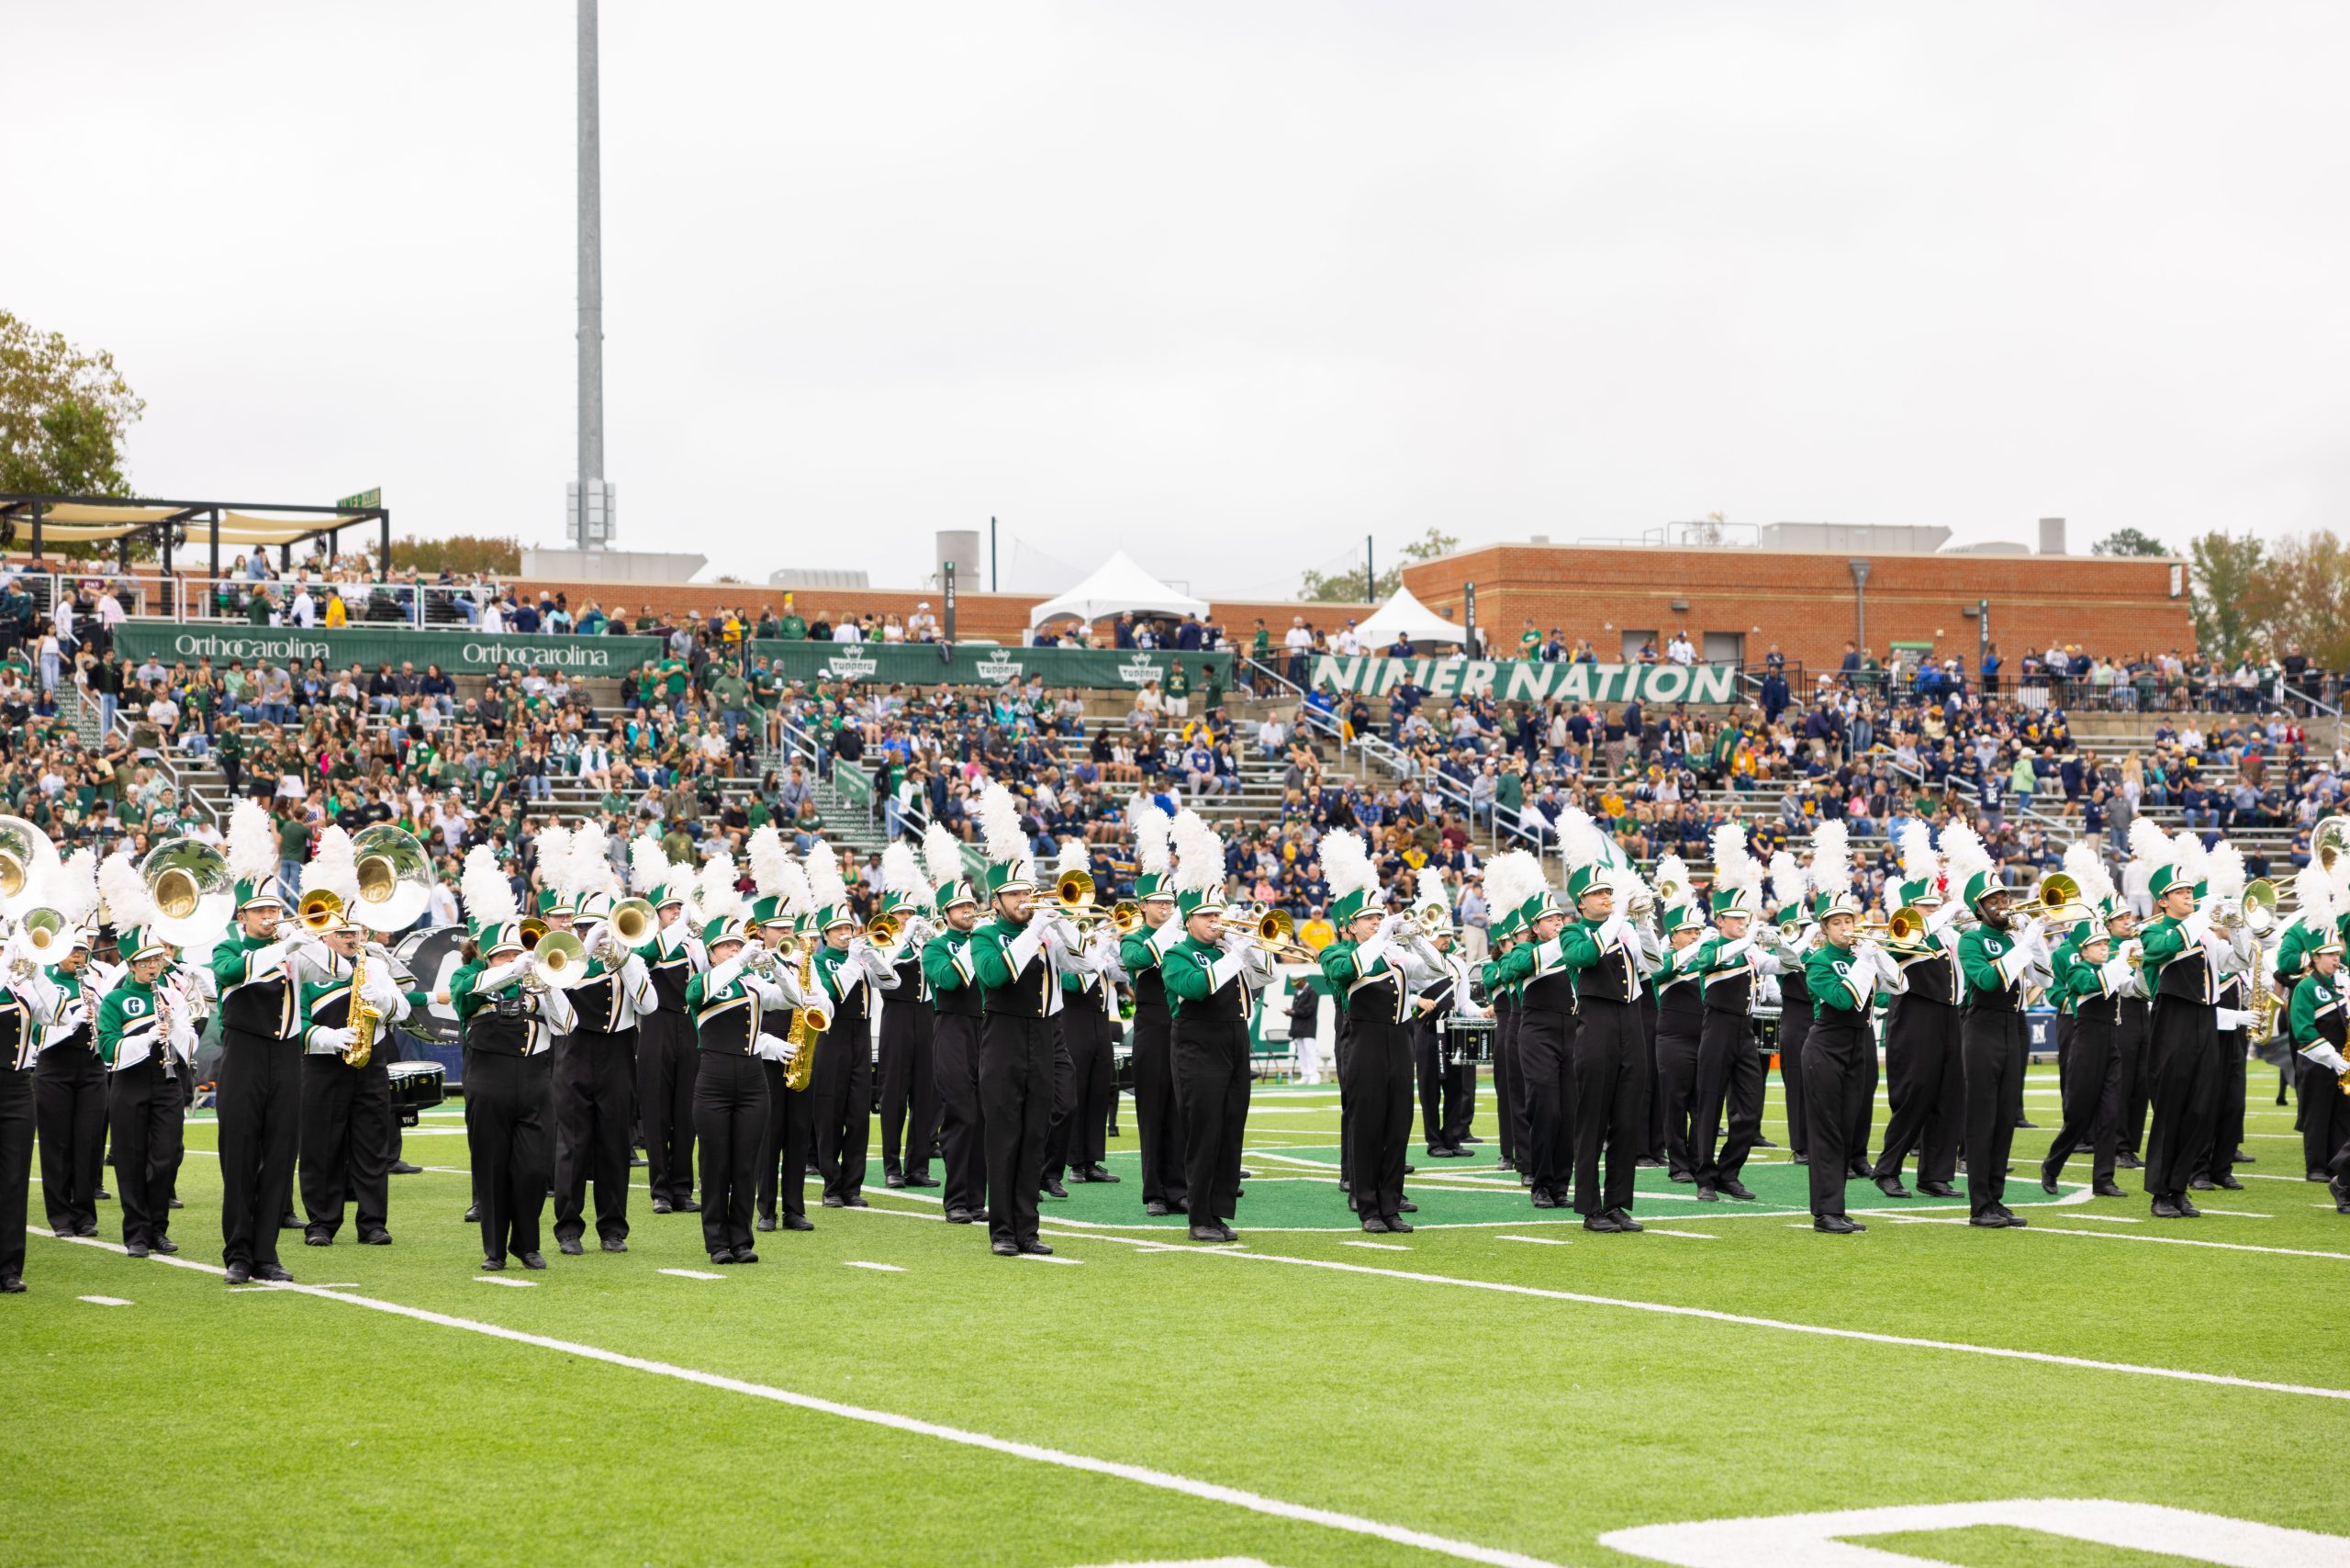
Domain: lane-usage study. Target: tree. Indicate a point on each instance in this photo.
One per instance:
(461, 554)
(63, 414)
(1346, 587)
(2127, 541)
(2228, 593)
(2305, 594)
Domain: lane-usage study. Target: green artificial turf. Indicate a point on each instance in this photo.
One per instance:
(205, 1424)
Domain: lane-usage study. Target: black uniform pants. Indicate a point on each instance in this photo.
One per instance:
(1795, 1023)
(1993, 1043)
(2133, 1044)
(144, 1116)
(512, 1147)
(1928, 1088)
(840, 1096)
(2183, 1070)
(1611, 1103)
(909, 1088)
(16, 1166)
(1653, 1143)
(1159, 1118)
(1833, 1080)
(347, 1124)
(790, 1137)
(1676, 1067)
(260, 1097)
(1093, 1088)
(955, 1064)
(730, 1124)
(1060, 1128)
(667, 1057)
(1507, 1110)
(1546, 1083)
(1729, 1076)
(1863, 1111)
(2227, 1131)
(594, 1101)
(70, 1104)
(2324, 1115)
(1016, 1067)
(1448, 1089)
(2092, 1097)
(1211, 1089)
(1379, 1087)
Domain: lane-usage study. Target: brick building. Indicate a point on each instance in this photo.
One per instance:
(1736, 602)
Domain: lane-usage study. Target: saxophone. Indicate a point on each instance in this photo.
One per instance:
(808, 1021)
(364, 1018)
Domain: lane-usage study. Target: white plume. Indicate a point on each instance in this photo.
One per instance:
(489, 897)
(74, 888)
(901, 872)
(999, 813)
(1511, 877)
(715, 891)
(1150, 827)
(2149, 845)
(253, 842)
(554, 860)
(2194, 862)
(1672, 869)
(1919, 861)
(2316, 903)
(1733, 867)
(1832, 858)
(768, 857)
(333, 867)
(825, 883)
(1074, 856)
(123, 899)
(591, 863)
(2223, 867)
(648, 863)
(1787, 883)
(1346, 864)
(797, 897)
(2086, 865)
(1963, 855)
(1199, 853)
(1579, 840)
(942, 854)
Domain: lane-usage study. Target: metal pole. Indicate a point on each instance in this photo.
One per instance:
(591, 276)
(992, 585)
(212, 582)
(946, 593)
(1469, 619)
(1982, 637)
(1369, 574)
(1861, 605)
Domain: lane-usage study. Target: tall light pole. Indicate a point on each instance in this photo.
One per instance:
(590, 498)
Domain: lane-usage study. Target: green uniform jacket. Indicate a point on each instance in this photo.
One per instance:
(947, 961)
(1187, 972)
(1574, 947)
(988, 959)
(1828, 975)
(126, 1008)
(2063, 959)
(1980, 953)
(2315, 999)
(2165, 942)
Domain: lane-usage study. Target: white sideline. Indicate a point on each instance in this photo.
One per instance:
(1142, 1475)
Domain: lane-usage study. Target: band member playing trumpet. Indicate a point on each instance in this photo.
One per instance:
(1998, 959)
(1844, 975)
(511, 1017)
(2180, 953)
(950, 966)
(1926, 1084)
(1158, 1117)
(666, 1056)
(28, 1005)
(850, 973)
(2316, 1021)
(594, 1065)
(908, 1081)
(148, 1043)
(730, 1001)
(1376, 969)
(1077, 1139)
(260, 1053)
(1213, 978)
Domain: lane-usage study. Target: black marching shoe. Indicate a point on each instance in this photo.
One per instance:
(1398, 1225)
(613, 1244)
(1836, 1225)
(1207, 1233)
(764, 1222)
(1624, 1220)
(2011, 1219)
(1738, 1190)
(2165, 1209)
(1684, 1177)
(569, 1247)
(274, 1273)
(893, 1178)
(317, 1239)
(1406, 1205)
(1036, 1246)
(2048, 1180)
(2187, 1207)
(744, 1255)
(402, 1168)
(166, 1246)
(2226, 1181)
(1650, 1163)
(89, 1230)
(1938, 1189)
(366, 1238)
(177, 1204)
(2201, 1184)
(922, 1179)
(661, 1206)
(104, 1196)
(1374, 1224)
(2126, 1160)
(289, 1220)
(1154, 1209)
(238, 1274)
(835, 1201)
(1053, 1188)
(1100, 1174)
(723, 1257)
(1226, 1231)
(1011, 1248)
(2241, 1157)
(2108, 1190)
(959, 1216)
(1858, 1170)
(534, 1261)
(1543, 1199)
(1709, 1193)
(1892, 1188)
(1762, 1142)
(135, 1249)
(1437, 1151)
(493, 1263)
(1799, 1159)
(11, 1285)
(859, 1200)
(801, 1221)
(1987, 1220)
(1601, 1222)
(473, 1214)
(686, 1206)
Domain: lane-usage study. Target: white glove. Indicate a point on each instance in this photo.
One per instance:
(1731, 950)
(339, 1039)
(2323, 1053)
(1393, 925)
(2233, 1018)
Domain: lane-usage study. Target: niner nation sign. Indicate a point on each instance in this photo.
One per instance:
(1528, 680)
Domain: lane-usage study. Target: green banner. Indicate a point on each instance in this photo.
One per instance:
(987, 664)
(457, 653)
(1528, 680)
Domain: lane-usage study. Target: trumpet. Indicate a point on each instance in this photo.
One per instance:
(1901, 928)
(884, 929)
(558, 960)
(634, 922)
(319, 911)
(2057, 900)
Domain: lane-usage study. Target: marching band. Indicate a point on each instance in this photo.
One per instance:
(1620, 1019)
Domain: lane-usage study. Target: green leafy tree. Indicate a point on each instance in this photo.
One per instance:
(2127, 541)
(1346, 587)
(2229, 593)
(459, 552)
(64, 412)
(2304, 594)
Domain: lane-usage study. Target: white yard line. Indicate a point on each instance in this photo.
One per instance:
(691, 1273)
(2155, 1241)
(1143, 1475)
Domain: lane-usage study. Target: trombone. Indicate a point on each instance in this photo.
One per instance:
(1073, 896)
(1276, 933)
(1901, 928)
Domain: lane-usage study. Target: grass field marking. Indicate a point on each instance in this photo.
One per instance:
(689, 1274)
(2152, 1240)
(1049, 1258)
(1538, 1240)
(1691, 1234)
(2238, 1214)
(2110, 1220)
(107, 1301)
(877, 1268)
(1669, 1309)
(1142, 1475)
(479, 1279)
(1378, 1246)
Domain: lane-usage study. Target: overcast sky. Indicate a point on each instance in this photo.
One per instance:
(1230, 285)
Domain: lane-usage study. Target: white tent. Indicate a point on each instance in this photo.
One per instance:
(1118, 586)
(1406, 616)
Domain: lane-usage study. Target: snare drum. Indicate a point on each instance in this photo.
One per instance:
(417, 1086)
(1468, 1039)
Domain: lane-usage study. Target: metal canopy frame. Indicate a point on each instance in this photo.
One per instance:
(192, 514)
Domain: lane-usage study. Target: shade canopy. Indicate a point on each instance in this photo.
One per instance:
(1118, 586)
(1405, 616)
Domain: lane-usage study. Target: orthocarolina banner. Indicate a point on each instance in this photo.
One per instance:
(986, 664)
(458, 653)
(1529, 680)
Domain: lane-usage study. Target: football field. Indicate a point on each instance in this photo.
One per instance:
(1496, 1387)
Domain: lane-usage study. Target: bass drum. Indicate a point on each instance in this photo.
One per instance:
(433, 955)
